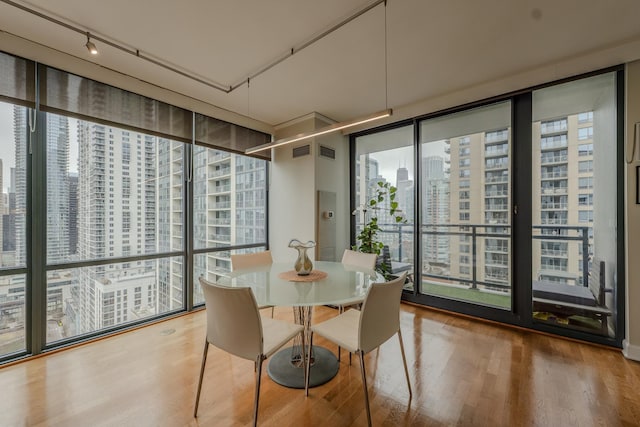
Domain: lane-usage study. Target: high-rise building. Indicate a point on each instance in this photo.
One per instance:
(57, 142)
(563, 201)
(435, 213)
(229, 206)
(115, 213)
(20, 136)
(404, 197)
(479, 204)
(73, 213)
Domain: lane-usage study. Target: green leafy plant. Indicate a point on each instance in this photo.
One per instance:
(367, 239)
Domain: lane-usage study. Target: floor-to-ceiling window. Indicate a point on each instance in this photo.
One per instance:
(388, 157)
(13, 154)
(466, 188)
(573, 146)
(112, 194)
(518, 202)
(230, 205)
(113, 204)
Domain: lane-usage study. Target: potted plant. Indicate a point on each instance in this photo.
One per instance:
(367, 239)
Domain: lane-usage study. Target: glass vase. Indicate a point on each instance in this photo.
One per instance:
(303, 265)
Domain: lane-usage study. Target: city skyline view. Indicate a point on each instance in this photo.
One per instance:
(466, 208)
(114, 193)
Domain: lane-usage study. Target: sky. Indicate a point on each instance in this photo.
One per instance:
(7, 142)
(390, 160)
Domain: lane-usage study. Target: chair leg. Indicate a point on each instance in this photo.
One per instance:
(340, 311)
(364, 385)
(258, 377)
(308, 366)
(272, 307)
(304, 357)
(204, 361)
(404, 361)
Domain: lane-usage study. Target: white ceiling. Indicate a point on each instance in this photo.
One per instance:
(434, 47)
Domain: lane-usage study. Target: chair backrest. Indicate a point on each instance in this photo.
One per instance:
(233, 320)
(380, 314)
(256, 259)
(359, 259)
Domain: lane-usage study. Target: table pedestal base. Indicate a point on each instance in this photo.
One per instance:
(288, 373)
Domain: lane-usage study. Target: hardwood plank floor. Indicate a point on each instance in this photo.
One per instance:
(463, 372)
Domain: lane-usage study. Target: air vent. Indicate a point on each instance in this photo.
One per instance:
(303, 150)
(327, 152)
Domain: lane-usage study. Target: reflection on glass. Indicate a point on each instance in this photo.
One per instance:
(13, 203)
(88, 299)
(13, 181)
(229, 193)
(574, 216)
(212, 265)
(466, 191)
(12, 314)
(111, 192)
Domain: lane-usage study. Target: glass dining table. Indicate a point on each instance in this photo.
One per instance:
(330, 283)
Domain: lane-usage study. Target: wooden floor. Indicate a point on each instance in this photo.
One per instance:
(464, 373)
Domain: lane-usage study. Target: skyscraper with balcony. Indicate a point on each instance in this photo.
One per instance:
(116, 211)
(563, 166)
(20, 137)
(479, 204)
(435, 212)
(229, 206)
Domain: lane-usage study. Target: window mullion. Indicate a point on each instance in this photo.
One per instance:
(37, 238)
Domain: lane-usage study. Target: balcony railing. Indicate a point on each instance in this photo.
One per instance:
(473, 232)
(556, 174)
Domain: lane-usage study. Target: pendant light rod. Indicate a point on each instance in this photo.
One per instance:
(322, 131)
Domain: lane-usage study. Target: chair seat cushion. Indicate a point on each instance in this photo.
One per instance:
(342, 330)
(276, 333)
(562, 292)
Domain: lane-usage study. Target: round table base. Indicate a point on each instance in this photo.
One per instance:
(285, 373)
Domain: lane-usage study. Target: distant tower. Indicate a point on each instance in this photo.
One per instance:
(73, 212)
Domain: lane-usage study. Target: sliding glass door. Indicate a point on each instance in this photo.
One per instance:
(465, 230)
(381, 158)
(573, 206)
(517, 206)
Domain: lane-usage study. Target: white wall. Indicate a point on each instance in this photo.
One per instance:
(631, 345)
(333, 175)
(292, 195)
(295, 183)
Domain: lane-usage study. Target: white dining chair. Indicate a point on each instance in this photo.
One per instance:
(361, 331)
(360, 260)
(256, 259)
(234, 325)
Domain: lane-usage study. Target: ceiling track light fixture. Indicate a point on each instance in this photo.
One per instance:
(188, 74)
(90, 46)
